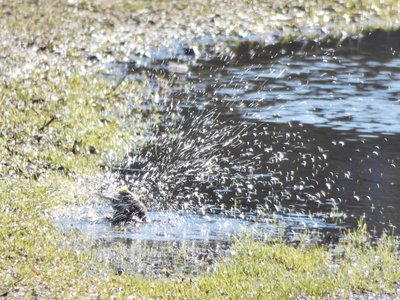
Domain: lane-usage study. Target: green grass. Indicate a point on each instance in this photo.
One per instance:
(280, 271)
(54, 139)
(61, 122)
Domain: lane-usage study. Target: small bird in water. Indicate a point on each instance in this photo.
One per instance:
(127, 208)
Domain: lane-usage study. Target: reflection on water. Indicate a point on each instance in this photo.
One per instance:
(359, 92)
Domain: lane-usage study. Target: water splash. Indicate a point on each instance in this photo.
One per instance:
(199, 157)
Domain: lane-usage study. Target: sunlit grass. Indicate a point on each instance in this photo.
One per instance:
(69, 124)
(53, 140)
(280, 271)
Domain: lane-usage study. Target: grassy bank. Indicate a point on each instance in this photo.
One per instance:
(60, 121)
(56, 131)
(279, 271)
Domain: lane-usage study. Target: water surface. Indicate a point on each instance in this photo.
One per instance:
(324, 125)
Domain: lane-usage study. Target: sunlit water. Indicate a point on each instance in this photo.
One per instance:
(342, 93)
(176, 226)
(319, 130)
(267, 146)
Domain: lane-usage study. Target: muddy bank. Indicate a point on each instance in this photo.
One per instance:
(83, 34)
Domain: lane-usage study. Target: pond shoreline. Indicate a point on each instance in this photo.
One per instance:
(61, 122)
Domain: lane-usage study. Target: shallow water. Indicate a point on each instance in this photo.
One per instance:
(180, 226)
(269, 145)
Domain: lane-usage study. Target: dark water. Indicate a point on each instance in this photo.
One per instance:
(319, 132)
(270, 143)
(359, 92)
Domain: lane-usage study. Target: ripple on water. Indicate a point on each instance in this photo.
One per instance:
(185, 226)
(311, 89)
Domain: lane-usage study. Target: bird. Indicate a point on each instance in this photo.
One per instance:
(128, 209)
